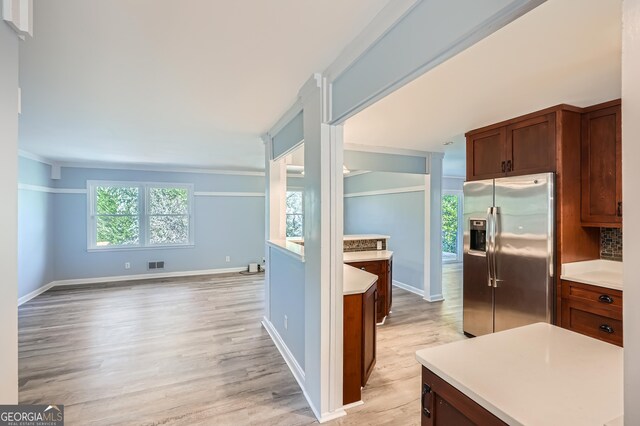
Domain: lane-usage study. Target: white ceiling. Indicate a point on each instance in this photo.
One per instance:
(151, 82)
(564, 51)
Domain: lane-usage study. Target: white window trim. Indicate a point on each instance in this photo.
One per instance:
(143, 198)
(300, 190)
(460, 237)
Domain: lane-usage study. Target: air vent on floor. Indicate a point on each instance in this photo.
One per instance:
(156, 265)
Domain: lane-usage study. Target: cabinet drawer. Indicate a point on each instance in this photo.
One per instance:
(599, 297)
(580, 319)
(372, 267)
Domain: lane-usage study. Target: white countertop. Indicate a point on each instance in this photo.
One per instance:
(367, 256)
(354, 237)
(603, 273)
(539, 374)
(289, 248)
(356, 281)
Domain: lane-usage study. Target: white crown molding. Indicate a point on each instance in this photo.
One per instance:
(50, 190)
(153, 168)
(35, 157)
(386, 191)
(228, 194)
(356, 173)
(387, 150)
(384, 21)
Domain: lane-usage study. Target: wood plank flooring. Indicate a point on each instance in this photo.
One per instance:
(192, 351)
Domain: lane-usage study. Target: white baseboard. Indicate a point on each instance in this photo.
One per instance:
(24, 299)
(353, 404)
(409, 288)
(295, 368)
(119, 278)
(434, 298)
(297, 371)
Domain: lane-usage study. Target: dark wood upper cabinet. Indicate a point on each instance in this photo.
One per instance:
(531, 146)
(486, 154)
(516, 147)
(601, 163)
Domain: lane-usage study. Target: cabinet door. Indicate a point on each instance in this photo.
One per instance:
(383, 295)
(486, 154)
(369, 332)
(601, 168)
(389, 285)
(531, 145)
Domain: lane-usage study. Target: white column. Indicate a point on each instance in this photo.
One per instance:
(631, 206)
(433, 229)
(9, 215)
(274, 211)
(323, 253)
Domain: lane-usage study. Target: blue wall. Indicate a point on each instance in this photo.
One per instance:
(399, 215)
(35, 228)
(224, 226)
(286, 281)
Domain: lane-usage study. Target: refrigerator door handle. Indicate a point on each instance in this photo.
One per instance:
(494, 244)
(489, 246)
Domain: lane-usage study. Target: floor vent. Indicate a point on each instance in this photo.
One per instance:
(152, 266)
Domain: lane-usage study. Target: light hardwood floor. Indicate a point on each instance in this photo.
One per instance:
(192, 351)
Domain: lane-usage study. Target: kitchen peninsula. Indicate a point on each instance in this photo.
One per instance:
(364, 265)
(369, 253)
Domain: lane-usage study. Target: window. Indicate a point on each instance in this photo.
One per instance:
(134, 215)
(451, 229)
(295, 214)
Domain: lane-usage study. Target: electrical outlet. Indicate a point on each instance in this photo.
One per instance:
(379, 245)
(127, 265)
(286, 322)
(264, 260)
(227, 259)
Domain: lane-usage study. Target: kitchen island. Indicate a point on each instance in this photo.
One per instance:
(539, 374)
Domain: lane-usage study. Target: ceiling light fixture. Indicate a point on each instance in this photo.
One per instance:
(447, 143)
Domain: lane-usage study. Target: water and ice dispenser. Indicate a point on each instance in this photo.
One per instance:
(478, 234)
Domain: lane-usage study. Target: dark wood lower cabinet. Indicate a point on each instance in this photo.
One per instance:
(444, 405)
(593, 311)
(383, 269)
(359, 342)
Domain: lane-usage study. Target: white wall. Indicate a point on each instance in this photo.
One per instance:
(631, 196)
(9, 215)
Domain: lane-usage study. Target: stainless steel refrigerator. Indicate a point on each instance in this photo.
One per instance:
(508, 253)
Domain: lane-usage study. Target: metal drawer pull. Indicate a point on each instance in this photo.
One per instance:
(605, 298)
(606, 328)
(362, 268)
(426, 390)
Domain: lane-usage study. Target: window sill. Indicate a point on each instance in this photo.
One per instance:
(98, 250)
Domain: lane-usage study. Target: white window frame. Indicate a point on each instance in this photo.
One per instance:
(301, 191)
(143, 214)
(460, 194)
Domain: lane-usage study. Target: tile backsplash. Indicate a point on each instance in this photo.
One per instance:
(363, 245)
(611, 244)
